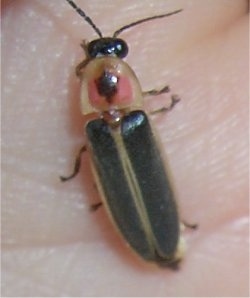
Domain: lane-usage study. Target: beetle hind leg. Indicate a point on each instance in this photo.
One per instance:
(95, 207)
(188, 225)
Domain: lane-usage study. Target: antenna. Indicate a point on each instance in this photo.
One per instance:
(117, 32)
(86, 18)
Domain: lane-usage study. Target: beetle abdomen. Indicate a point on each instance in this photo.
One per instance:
(135, 185)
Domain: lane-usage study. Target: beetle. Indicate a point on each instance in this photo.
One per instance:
(129, 170)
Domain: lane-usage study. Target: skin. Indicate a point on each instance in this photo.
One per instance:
(51, 244)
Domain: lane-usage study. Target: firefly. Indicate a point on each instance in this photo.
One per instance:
(129, 170)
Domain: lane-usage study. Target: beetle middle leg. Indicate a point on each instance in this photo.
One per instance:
(174, 100)
(77, 166)
(76, 170)
(154, 92)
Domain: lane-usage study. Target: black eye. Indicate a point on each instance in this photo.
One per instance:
(121, 48)
(107, 47)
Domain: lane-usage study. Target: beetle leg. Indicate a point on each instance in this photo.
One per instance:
(80, 67)
(95, 206)
(174, 100)
(189, 225)
(76, 166)
(155, 92)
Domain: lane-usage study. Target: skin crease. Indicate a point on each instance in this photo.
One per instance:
(51, 244)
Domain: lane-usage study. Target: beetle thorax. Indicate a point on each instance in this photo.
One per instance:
(108, 83)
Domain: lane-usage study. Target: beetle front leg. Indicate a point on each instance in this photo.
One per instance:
(80, 67)
(82, 64)
(77, 166)
(156, 92)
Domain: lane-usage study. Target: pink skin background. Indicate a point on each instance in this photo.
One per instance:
(51, 244)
